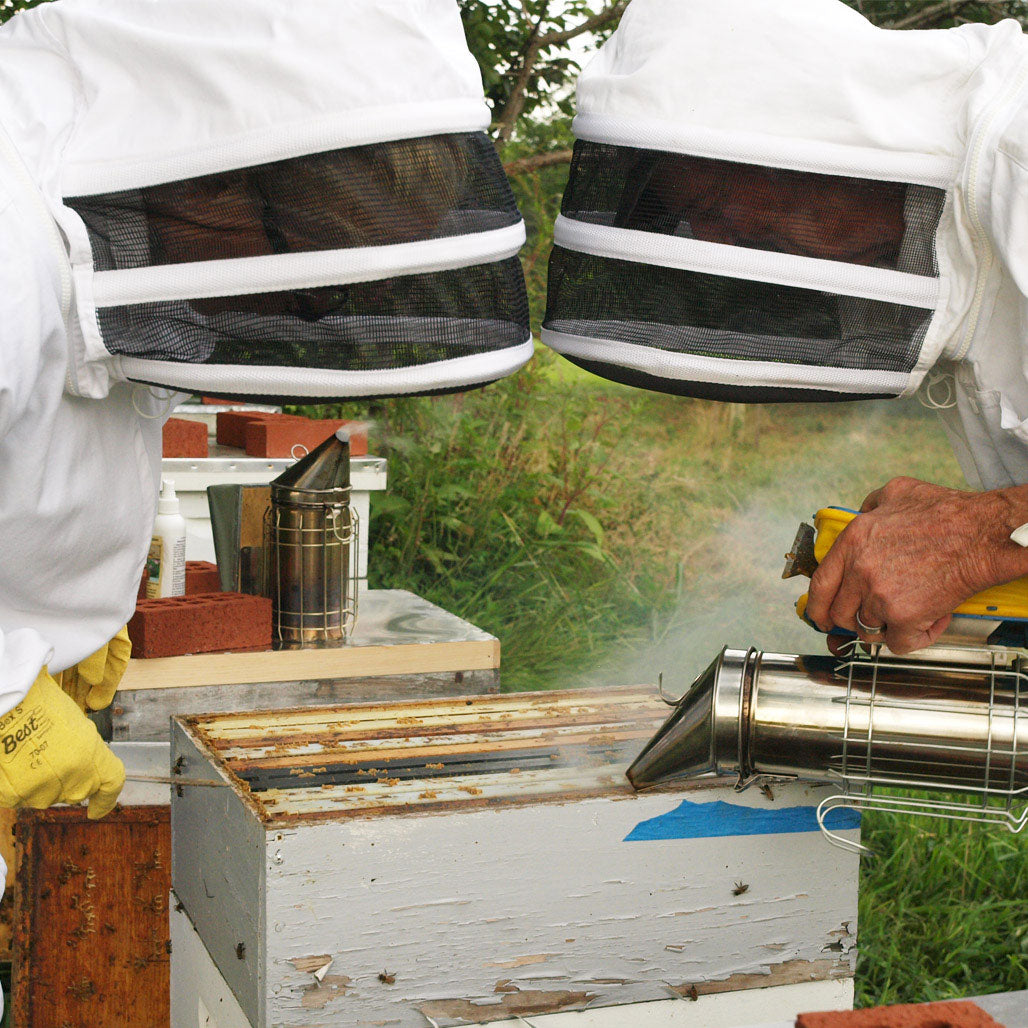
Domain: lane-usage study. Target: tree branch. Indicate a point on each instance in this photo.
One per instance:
(597, 21)
(928, 15)
(516, 100)
(536, 161)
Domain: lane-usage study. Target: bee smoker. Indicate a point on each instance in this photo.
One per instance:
(948, 721)
(309, 532)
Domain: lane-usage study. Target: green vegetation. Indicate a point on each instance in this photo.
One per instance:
(942, 911)
(585, 523)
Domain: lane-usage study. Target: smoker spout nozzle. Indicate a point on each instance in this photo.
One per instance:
(684, 747)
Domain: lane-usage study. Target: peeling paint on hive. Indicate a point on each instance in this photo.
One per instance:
(533, 1001)
(482, 869)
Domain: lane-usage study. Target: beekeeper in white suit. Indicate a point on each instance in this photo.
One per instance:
(243, 197)
(780, 201)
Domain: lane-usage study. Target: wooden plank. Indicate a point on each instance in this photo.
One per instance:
(200, 996)
(142, 715)
(478, 885)
(789, 972)
(572, 706)
(542, 1001)
(297, 665)
(339, 762)
(91, 919)
(196, 982)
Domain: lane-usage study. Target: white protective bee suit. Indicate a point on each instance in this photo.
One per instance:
(784, 202)
(244, 197)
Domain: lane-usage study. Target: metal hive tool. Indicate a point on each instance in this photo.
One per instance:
(946, 722)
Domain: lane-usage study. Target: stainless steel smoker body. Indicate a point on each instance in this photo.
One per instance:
(949, 721)
(309, 531)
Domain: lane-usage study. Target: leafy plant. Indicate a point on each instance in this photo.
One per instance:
(497, 509)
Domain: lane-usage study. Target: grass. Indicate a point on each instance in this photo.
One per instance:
(942, 911)
(606, 534)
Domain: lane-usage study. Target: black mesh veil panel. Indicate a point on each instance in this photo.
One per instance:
(740, 281)
(859, 221)
(715, 316)
(393, 192)
(370, 259)
(367, 326)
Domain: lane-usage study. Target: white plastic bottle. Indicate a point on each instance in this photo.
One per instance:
(166, 561)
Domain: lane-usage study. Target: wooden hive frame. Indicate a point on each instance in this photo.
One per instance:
(300, 766)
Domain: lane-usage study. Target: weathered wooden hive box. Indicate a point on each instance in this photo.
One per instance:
(465, 860)
(402, 646)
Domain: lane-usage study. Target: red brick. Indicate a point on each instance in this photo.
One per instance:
(202, 623)
(202, 577)
(232, 423)
(141, 595)
(279, 437)
(958, 1014)
(233, 426)
(184, 438)
(215, 400)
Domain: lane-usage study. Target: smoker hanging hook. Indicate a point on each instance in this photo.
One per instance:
(663, 695)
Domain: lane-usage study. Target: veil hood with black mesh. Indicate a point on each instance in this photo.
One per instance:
(770, 201)
(272, 199)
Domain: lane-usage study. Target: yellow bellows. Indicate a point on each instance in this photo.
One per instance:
(1009, 600)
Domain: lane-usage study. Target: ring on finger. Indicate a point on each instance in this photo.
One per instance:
(868, 629)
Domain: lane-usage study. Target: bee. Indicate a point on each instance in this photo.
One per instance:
(739, 888)
(386, 977)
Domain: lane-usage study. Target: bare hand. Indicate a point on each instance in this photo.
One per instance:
(913, 556)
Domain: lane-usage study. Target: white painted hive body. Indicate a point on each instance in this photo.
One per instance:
(457, 861)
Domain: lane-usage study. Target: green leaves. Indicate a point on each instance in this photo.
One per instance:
(523, 50)
(11, 7)
(545, 525)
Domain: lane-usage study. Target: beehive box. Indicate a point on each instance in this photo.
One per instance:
(402, 647)
(456, 861)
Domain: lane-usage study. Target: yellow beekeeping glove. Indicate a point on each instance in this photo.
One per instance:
(50, 752)
(92, 682)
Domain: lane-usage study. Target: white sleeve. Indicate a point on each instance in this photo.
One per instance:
(23, 652)
(24, 317)
(1006, 206)
(28, 326)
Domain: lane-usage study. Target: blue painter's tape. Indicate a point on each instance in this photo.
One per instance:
(706, 820)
